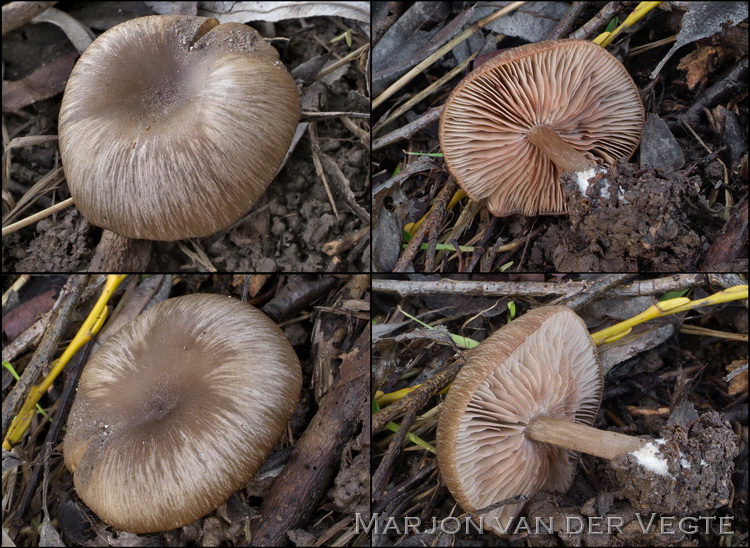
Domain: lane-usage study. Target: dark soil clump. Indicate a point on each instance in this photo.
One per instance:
(629, 221)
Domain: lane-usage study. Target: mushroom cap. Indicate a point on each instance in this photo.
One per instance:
(173, 126)
(575, 87)
(542, 363)
(178, 410)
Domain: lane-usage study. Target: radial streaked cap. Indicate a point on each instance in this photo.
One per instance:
(178, 410)
(542, 363)
(515, 123)
(173, 126)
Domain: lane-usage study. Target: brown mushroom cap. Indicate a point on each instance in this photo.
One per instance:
(173, 126)
(514, 124)
(178, 410)
(543, 363)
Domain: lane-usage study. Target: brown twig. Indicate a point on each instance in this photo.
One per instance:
(567, 21)
(598, 21)
(66, 304)
(731, 84)
(593, 291)
(506, 257)
(297, 293)
(312, 464)
(361, 134)
(726, 281)
(315, 116)
(423, 163)
(479, 249)
(526, 245)
(429, 261)
(433, 218)
(418, 397)
(330, 330)
(380, 477)
(404, 132)
(313, 131)
(675, 282)
(397, 497)
(334, 247)
(475, 288)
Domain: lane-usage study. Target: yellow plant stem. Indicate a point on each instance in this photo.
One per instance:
(416, 440)
(665, 308)
(393, 427)
(412, 228)
(346, 35)
(606, 38)
(384, 399)
(90, 327)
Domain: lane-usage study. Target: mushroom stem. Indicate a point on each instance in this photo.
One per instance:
(556, 149)
(579, 437)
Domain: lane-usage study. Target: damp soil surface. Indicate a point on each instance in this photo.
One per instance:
(287, 230)
(686, 470)
(626, 221)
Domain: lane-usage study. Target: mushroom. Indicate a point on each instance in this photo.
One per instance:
(514, 124)
(173, 126)
(178, 410)
(518, 409)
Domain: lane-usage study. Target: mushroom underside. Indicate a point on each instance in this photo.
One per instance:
(541, 364)
(514, 124)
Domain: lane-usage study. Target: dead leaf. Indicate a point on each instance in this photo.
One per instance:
(242, 12)
(43, 83)
(48, 535)
(738, 383)
(700, 63)
(25, 315)
(704, 19)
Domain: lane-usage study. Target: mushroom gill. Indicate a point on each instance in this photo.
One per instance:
(541, 364)
(514, 124)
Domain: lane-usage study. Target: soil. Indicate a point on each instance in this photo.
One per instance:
(699, 457)
(285, 231)
(675, 214)
(647, 229)
(629, 509)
